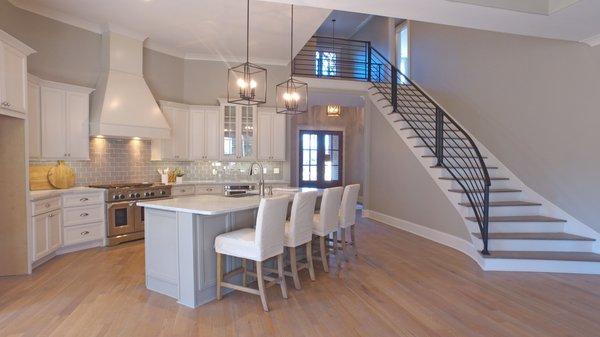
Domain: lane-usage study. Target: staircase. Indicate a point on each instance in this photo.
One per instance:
(511, 226)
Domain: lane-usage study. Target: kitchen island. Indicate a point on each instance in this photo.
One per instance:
(180, 235)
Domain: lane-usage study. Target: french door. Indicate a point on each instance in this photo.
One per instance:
(320, 158)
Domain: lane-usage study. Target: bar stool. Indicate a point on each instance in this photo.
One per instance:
(260, 244)
(298, 232)
(327, 222)
(348, 216)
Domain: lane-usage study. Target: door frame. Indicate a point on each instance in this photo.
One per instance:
(303, 127)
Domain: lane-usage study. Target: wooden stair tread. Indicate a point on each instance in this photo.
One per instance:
(558, 256)
(535, 236)
(520, 218)
(447, 146)
(464, 167)
(446, 156)
(492, 190)
(505, 203)
(473, 178)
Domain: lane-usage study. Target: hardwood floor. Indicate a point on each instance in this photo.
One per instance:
(399, 285)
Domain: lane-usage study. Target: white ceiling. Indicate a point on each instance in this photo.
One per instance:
(193, 29)
(346, 24)
(578, 22)
(544, 7)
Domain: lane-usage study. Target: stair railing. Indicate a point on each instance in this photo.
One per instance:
(450, 145)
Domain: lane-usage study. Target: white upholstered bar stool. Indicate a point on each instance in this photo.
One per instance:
(298, 232)
(256, 244)
(327, 221)
(348, 216)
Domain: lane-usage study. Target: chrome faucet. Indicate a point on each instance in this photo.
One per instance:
(261, 182)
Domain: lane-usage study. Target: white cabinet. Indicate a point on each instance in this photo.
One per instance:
(47, 236)
(13, 76)
(177, 146)
(271, 135)
(204, 133)
(238, 132)
(59, 120)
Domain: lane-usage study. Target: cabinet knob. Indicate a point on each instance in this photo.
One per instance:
(46, 205)
(85, 233)
(84, 199)
(84, 214)
(51, 215)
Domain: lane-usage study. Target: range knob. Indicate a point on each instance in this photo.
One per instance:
(115, 197)
(132, 195)
(151, 194)
(137, 195)
(162, 192)
(122, 196)
(147, 194)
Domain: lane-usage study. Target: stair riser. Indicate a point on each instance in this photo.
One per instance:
(538, 245)
(510, 210)
(495, 184)
(521, 227)
(499, 196)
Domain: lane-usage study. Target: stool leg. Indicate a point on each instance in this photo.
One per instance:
(309, 260)
(261, 285)
(323, 253)
(281, 276)
(245, 273)
(294, 267)
(219, 275)
(353, 238)
(343, 232)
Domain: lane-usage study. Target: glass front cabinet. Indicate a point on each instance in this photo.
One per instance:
(238, 141)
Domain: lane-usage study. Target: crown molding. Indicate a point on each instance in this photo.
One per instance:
(114, 28)
(58, 16)
(592, 41)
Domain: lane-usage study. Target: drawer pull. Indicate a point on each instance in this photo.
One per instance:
(51, 215)
(85, 233)
(46, 205)
(84, 199)
(84, 214)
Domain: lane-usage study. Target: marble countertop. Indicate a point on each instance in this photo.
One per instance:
(44, 194)
(221, 182)
(217, 204)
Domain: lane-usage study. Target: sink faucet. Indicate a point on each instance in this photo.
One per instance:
(261, 182)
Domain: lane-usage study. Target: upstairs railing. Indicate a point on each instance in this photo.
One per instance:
(450, 145)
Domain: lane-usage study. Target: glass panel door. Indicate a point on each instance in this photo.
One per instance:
(248, 135)
(321, 162)
(229, 131)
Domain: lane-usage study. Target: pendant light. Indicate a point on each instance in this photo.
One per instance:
(247, 82)
(292, 95)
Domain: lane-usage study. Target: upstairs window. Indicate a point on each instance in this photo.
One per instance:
(402, 49)
(325, 63)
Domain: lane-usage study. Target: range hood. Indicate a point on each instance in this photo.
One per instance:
(122, 105)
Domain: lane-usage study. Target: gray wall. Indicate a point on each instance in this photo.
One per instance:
(535, 103)
(381, 32)
(400, 187)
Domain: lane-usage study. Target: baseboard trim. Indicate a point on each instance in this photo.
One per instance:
(445, 239)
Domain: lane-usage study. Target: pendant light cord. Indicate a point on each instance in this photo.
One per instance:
(248, 31)
(292, 44)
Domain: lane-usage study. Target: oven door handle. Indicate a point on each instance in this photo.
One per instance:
(118, 204)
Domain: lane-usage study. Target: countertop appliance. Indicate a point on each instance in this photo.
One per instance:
(238, 190)
(125, 220)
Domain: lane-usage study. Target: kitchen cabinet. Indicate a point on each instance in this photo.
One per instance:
(238, 132)
(177, 147)
(59, 120)
(271, 135)
(204, 133)
(13, 76)
(47, 236)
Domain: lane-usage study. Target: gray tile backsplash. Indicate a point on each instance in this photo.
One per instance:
(128, 160)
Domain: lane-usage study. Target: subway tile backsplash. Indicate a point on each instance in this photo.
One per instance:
(128, 160)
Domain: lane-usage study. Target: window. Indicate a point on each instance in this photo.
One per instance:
(402, 49)
(325, 63)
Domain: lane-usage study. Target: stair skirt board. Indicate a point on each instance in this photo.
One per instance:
(487, 263)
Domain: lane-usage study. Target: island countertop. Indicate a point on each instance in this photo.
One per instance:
(218, 204)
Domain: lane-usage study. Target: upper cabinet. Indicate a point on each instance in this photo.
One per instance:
(204, 133)
(238, 137)
(13, 76)
(271, 135)
(58, 120)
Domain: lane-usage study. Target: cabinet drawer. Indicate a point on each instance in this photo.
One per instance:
(82, 233)
(80, 215)
(209, 189)
(45, 205)
(70, 200)
(178, 191)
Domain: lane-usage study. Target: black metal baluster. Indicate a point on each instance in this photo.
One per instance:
(439, 137)
(394, 89)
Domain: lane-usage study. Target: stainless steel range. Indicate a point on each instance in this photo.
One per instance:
(125, 220)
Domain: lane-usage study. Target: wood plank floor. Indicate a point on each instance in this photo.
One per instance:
(399, 285)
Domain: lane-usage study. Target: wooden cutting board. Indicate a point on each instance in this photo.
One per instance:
(61, 175)
(38, 177)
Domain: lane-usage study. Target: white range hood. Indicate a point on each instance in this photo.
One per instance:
(122, 105)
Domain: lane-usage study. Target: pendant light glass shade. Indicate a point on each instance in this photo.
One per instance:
(247, 82)
(292, 95)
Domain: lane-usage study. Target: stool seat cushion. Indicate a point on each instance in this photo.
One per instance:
(239, 243)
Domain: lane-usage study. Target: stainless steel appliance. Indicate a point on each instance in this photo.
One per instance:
(125, 220)
(238, 190)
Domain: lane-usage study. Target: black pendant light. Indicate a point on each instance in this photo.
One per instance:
(292, 95)
(247, 82)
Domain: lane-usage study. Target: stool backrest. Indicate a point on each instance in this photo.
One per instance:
(348, 207)
(301, 217)
(330, 208)
(270, 225)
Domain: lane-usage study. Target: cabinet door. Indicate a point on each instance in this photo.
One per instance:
(211, 134)
(15, 79)
(54, 231)
(197, 135)
(33, 117)
(278, 137)
(179, 133)
(78, 141)
(247, 123)
(40, 236)
(265, 125)
(229, 141)
(53, 123)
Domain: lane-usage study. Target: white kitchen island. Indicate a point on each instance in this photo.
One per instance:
(179, 242)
